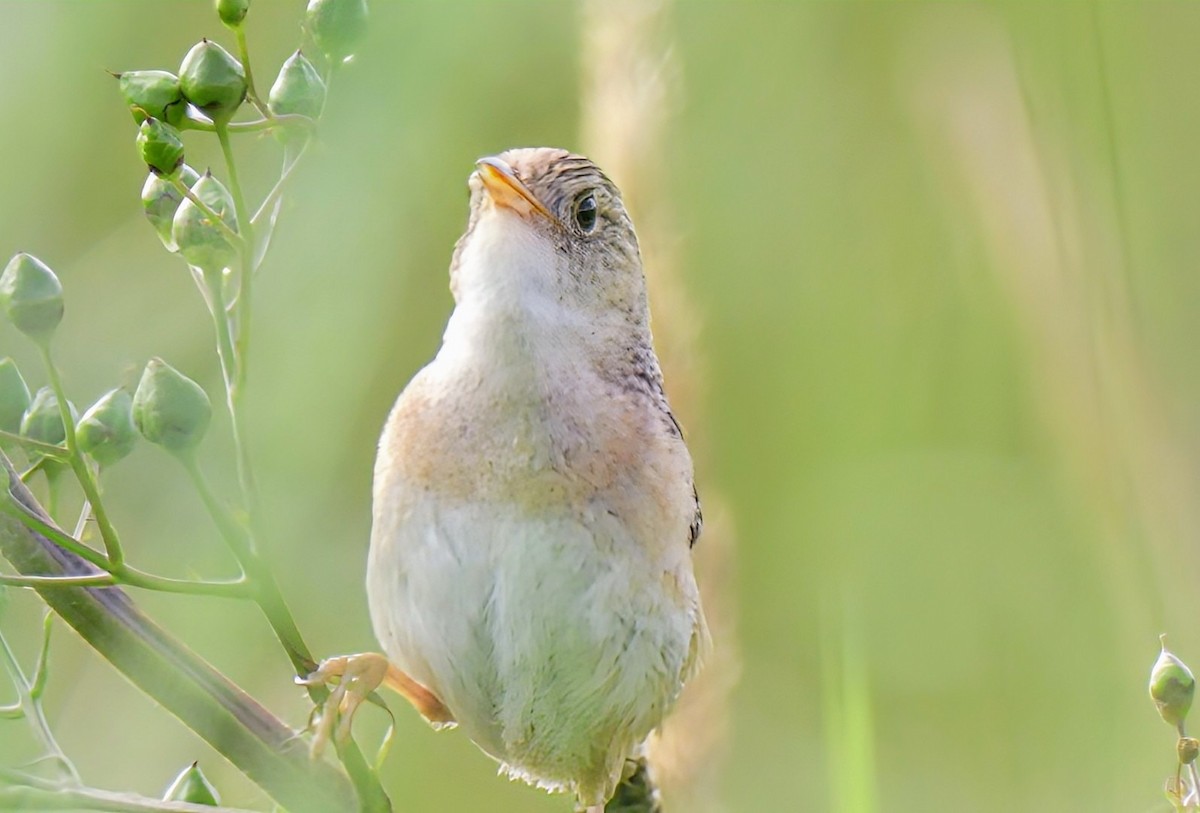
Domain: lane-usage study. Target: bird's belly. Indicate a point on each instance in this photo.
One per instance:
(556, 645)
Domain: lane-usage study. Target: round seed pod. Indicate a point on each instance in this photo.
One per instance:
(31, 296)
(1172, 686)
(212, 80)
(170, 409)
(152, 93)
(105, 432)
(337, 26)
(14, 396)
(232, 12)
(160, 201)
(160, 146)
(192, 786)
(200, 242)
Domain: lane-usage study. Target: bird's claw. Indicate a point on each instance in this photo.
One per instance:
(353, 679)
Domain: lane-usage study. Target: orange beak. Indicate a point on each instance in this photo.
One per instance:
(505, 188)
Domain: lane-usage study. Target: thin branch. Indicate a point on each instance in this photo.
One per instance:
(83, 473)
(32, 710)
(235, 389)
(48, 449)
(20, 792)
(277, 189)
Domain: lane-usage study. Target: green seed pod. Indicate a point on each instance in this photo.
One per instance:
(32, 296)
(105, 432)
(200, 242)
(1188, 749)
(212, 80)
(160, 200)
(170, 409)
(232, 12)
(160, 146)
(42, 421)
(14, 396)
(298, 90)
(192, 786)
(337, 26)
(1172, 686)
(152, 93)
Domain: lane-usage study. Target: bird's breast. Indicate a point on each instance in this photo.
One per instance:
(563, 439)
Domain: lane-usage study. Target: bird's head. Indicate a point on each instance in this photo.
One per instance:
(548, 233)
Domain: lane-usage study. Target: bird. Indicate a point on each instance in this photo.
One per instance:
(530, 574)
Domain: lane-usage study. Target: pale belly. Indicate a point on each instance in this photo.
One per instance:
(551, 635)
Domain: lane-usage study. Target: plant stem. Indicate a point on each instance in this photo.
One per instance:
(277, 189)
(19, 792)
(56, 536)
(230, 364)
(242, 312)
(42, 582)
(269, 598)
(32, 710)
(231, 588)
(268, 122)
(48, 449)
(244, 55)
(262, 585)
(83, 473)
(122, 574)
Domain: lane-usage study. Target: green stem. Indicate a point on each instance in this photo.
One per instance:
(268, 122)
(35, 523)
(42, 582)
(123, 574)
(270, 600)
(231, 588)
(236, 390)
(48, 449)
(83, 473)
(244, 55)
(277, 189)
(20, 792)
(33, 712)
(264, 589)
(230, 363)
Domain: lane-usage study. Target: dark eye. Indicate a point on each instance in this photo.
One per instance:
(585, 214)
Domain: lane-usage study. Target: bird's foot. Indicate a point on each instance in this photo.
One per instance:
(354, 678)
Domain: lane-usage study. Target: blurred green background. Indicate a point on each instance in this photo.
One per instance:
(943, 258)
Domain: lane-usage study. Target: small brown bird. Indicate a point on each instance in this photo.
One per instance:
(530, 574)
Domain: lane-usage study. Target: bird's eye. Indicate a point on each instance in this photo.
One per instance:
(585, 214)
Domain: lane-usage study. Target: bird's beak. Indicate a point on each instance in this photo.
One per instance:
(505, 188)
